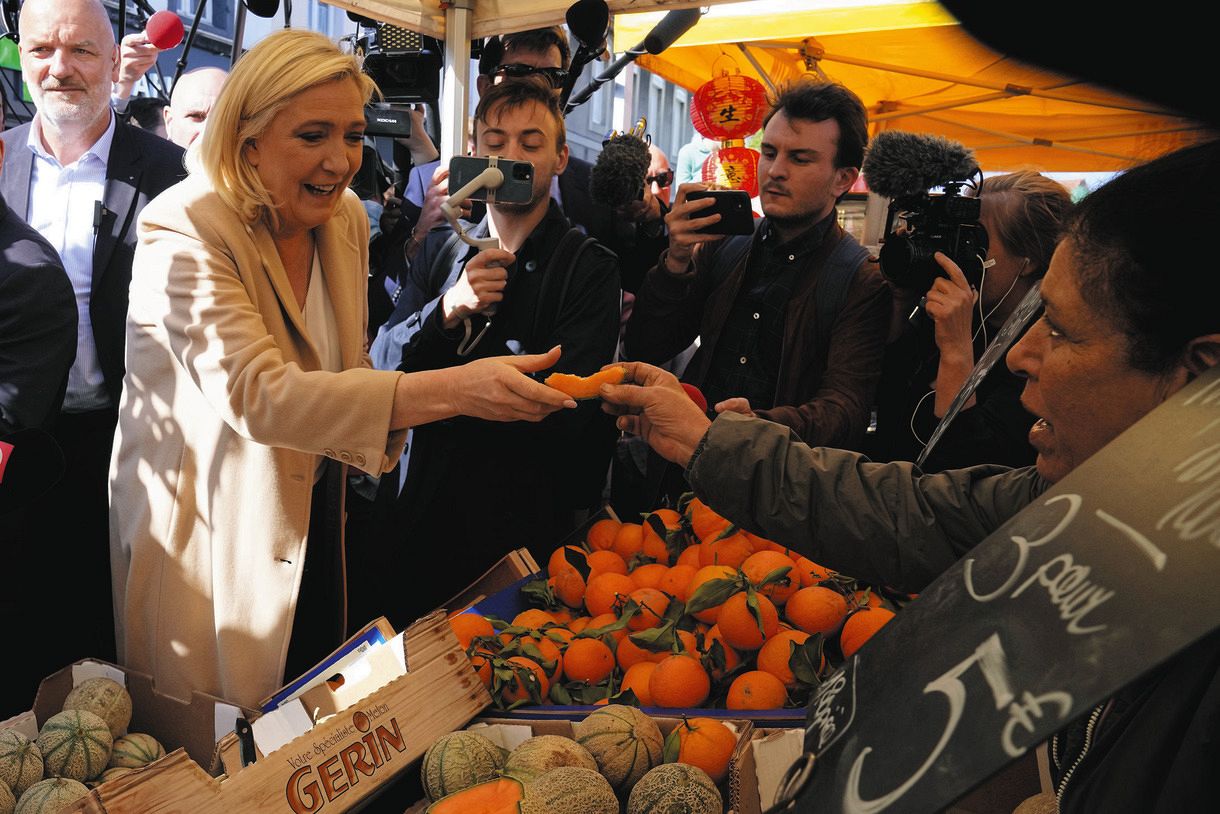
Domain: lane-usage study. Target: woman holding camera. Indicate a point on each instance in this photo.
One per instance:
(1022, 213)
(248, 390)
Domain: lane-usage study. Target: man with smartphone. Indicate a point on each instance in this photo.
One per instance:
(792, 318)
(487, 490)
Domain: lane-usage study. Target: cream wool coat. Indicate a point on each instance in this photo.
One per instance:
(222, 421)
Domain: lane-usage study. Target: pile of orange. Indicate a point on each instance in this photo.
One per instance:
(682, 609)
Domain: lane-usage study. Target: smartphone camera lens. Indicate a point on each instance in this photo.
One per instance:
(523, 172)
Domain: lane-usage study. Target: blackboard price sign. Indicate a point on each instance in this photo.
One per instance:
(1097, 581)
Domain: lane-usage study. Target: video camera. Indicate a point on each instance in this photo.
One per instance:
(933, 186)
(406, 67)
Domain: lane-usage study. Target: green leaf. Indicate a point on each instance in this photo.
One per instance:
(658, 639)
(712, 593)
(778, 576)
(752, 606)
(729, 531)
(804, 660)
(673, 744)
(560, 695)
(603, 631)
(627, 697)
(538, 593)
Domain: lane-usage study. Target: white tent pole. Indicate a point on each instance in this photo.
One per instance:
(455, 83)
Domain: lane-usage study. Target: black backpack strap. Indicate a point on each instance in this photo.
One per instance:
(554, 291)
(834, 280)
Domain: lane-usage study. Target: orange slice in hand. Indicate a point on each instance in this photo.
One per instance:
(585, 387)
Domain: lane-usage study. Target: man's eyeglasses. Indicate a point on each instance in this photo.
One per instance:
(516, 70)
(661, 179)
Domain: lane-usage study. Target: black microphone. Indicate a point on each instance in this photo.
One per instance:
(588, 21)
(262, 8)
(12, 13)
(618, 176)
(899, 164)
(672, 25)
(30, 464)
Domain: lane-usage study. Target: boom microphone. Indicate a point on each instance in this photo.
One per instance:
(164, 30)
(899, 164)
(262, 8)
(672, 25)
(30, 464)
(588, 21)
(618, 176)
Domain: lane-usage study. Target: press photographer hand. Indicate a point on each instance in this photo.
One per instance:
(950, 305)
(480, 286)
(683, 229)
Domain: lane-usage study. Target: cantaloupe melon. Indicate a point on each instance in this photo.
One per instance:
(7, 801)
(49, 796)
(75, 744)
(20, 761)
(570, 790)
(113, 773)
(459, 760)
(540, 754)
(585, 387)
(135, 750)
(675, 787)
(105, 698)
(625, 742)
(499, 796)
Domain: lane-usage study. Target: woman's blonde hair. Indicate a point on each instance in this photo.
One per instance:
(263, 83)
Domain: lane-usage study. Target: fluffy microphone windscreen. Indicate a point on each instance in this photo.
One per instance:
(164, 29)
(618, 176)
(588, 21)
(898, 163)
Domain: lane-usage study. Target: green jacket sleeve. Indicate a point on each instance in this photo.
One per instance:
(882, 523)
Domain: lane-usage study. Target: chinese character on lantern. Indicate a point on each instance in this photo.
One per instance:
(728, 108)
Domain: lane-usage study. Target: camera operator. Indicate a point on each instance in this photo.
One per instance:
(927, 364)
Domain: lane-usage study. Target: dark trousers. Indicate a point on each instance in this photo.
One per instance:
(58, 551)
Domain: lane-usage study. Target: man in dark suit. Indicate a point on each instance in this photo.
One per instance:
(80, 177)
(37, 326)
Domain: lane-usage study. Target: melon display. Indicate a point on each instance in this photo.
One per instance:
(111, 774)
(135, 750)
(75, 744)
(625, 742)
(20, 761)
(457, 761)
(49, 796)
(493, 797)
(542, 753)
(570, 790)
(7, 801)
(675, 787)
(105, 698)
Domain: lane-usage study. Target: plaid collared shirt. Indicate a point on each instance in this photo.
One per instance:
(750, 348)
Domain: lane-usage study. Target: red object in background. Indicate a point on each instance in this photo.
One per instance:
(732, 168)
(729, 107)
(164, 29)
(695, 395)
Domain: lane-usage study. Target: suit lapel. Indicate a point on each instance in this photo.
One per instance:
(270, 256)
(18, 164)
(119, 199)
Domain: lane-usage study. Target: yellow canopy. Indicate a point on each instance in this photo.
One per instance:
(916, 69)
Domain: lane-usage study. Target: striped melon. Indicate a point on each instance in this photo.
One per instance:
(625, 742)
(457, 761)
(75, 744)
(675, 787)
(112, 773)
(570, 790)
(135, 750)
(7, 801)
(105, 698)
(20, 761)
(49, 796)
(540, 754)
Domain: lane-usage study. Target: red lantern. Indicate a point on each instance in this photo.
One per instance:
(732, 168)
(729, 107)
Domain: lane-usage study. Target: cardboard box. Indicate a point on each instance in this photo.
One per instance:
(731, 789)
(191, 726)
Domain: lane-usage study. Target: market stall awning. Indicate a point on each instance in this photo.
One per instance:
(916, 69)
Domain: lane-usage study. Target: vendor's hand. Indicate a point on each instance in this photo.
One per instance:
(136, 56)
(497, 388)
(950, 305)
(652, 404)
(734, 405)
(683, 236)
(480, 286)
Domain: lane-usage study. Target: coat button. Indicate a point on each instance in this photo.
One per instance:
(360, 459)
(743, 360)
(329, 453)
(346, 457)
